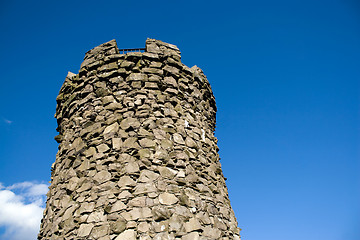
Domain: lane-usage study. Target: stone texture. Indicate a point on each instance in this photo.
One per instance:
(129, 234)
(191, 236)
(137, 154)
(168, 199)
(84, 230)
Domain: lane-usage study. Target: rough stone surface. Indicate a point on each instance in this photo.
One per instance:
(137, 154)
(167, 199)
(127, 235)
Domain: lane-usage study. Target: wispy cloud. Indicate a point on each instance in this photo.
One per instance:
(7, 121)
(21, 209)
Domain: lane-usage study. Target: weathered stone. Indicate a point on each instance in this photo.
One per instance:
(116, 143)
(175, 223)
(190, 142)
(73, 182)
(129, 122)
(108, 99)
(137, 202)
(147, 143)
(160, 154)
(103, 148)
(204, 218)
(84, 230)
(168, 199)
(148, 176)
(153, 48)
(132, 215)
(150, 55)
(90, 152)
(132, 167)
(166, 144)
(125, 195)
(113, 106)
(131, 224)
(191, 236)
(143, 227)
(117, 207)
(100, 231)
(192, 225)
(172, 70)
(102, 176)
(86, 207)
(211, 232)
(218, 223)
(153, 71)
(137, 76)
(136, 84)
(151, 85)
(129, 234)
(161, 226)
(97, 216)
(155, 65)
(166, 172)
(112, 128)
(144, 153)
(118, 226)
(107, 237)
(142, 188)
(171, 81)
(69, 212)
(86, 185)
(127, 64)
(236, 237)
(144, 133)
(160, 213)
(164, 236)
(178, 138)
(159, 134)
(126, 181)
(131, 142)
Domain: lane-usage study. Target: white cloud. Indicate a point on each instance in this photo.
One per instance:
(21, 210)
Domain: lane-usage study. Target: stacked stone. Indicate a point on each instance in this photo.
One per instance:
(137, 156)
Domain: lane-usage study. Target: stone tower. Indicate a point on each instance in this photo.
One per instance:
(137, 156)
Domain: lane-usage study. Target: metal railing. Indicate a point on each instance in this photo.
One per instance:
(126, 50)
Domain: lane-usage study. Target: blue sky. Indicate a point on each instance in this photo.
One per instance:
(285, 75)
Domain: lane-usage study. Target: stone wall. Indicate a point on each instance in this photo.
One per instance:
(137, 156)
